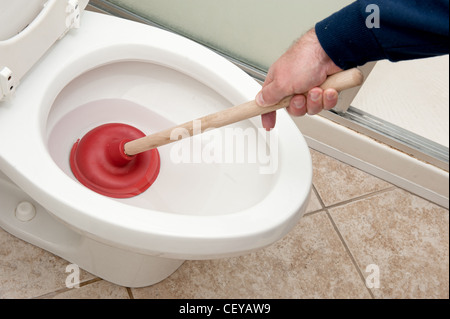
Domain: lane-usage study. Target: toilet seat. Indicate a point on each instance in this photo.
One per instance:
(29, 29)
(104, 40)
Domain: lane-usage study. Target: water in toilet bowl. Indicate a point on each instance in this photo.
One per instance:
(220, 171)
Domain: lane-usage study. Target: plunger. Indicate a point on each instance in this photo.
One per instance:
(118, 160)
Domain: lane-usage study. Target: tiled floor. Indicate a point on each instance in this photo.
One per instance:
(359, 232)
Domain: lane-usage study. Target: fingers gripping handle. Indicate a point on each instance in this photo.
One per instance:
(339, 81)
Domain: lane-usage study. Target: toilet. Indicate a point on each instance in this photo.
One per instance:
(65, 71)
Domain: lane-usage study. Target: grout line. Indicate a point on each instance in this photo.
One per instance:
(352, 258)
(347, 249)
(91, 281)
(318, 196)
(49, 295)
(314, 212)
(130, 293)
(320, 202)
(65, 289)
(358, 198)
(365, 196)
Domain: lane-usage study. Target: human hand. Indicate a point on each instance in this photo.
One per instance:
(299, 72)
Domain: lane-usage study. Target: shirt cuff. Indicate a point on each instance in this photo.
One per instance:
(347, 40)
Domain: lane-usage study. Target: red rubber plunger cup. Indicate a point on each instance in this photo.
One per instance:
(99, 162)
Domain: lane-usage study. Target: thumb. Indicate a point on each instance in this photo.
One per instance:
(269, 95)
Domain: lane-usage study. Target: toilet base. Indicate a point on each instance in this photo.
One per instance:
(33, 224)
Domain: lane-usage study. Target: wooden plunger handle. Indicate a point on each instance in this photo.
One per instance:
(339, 81)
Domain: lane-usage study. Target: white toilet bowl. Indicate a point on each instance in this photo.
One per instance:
(200, 206)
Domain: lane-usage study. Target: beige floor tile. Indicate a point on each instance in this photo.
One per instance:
(310, 262)
(314, 203)
(27, 271)
(405, 236)
(96, 290)
(336, 182)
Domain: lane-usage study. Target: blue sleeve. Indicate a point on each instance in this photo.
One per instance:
(407, 29)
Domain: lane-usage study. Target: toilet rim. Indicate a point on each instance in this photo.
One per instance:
(140, 228)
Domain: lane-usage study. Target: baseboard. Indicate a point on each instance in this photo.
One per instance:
(376, 158)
